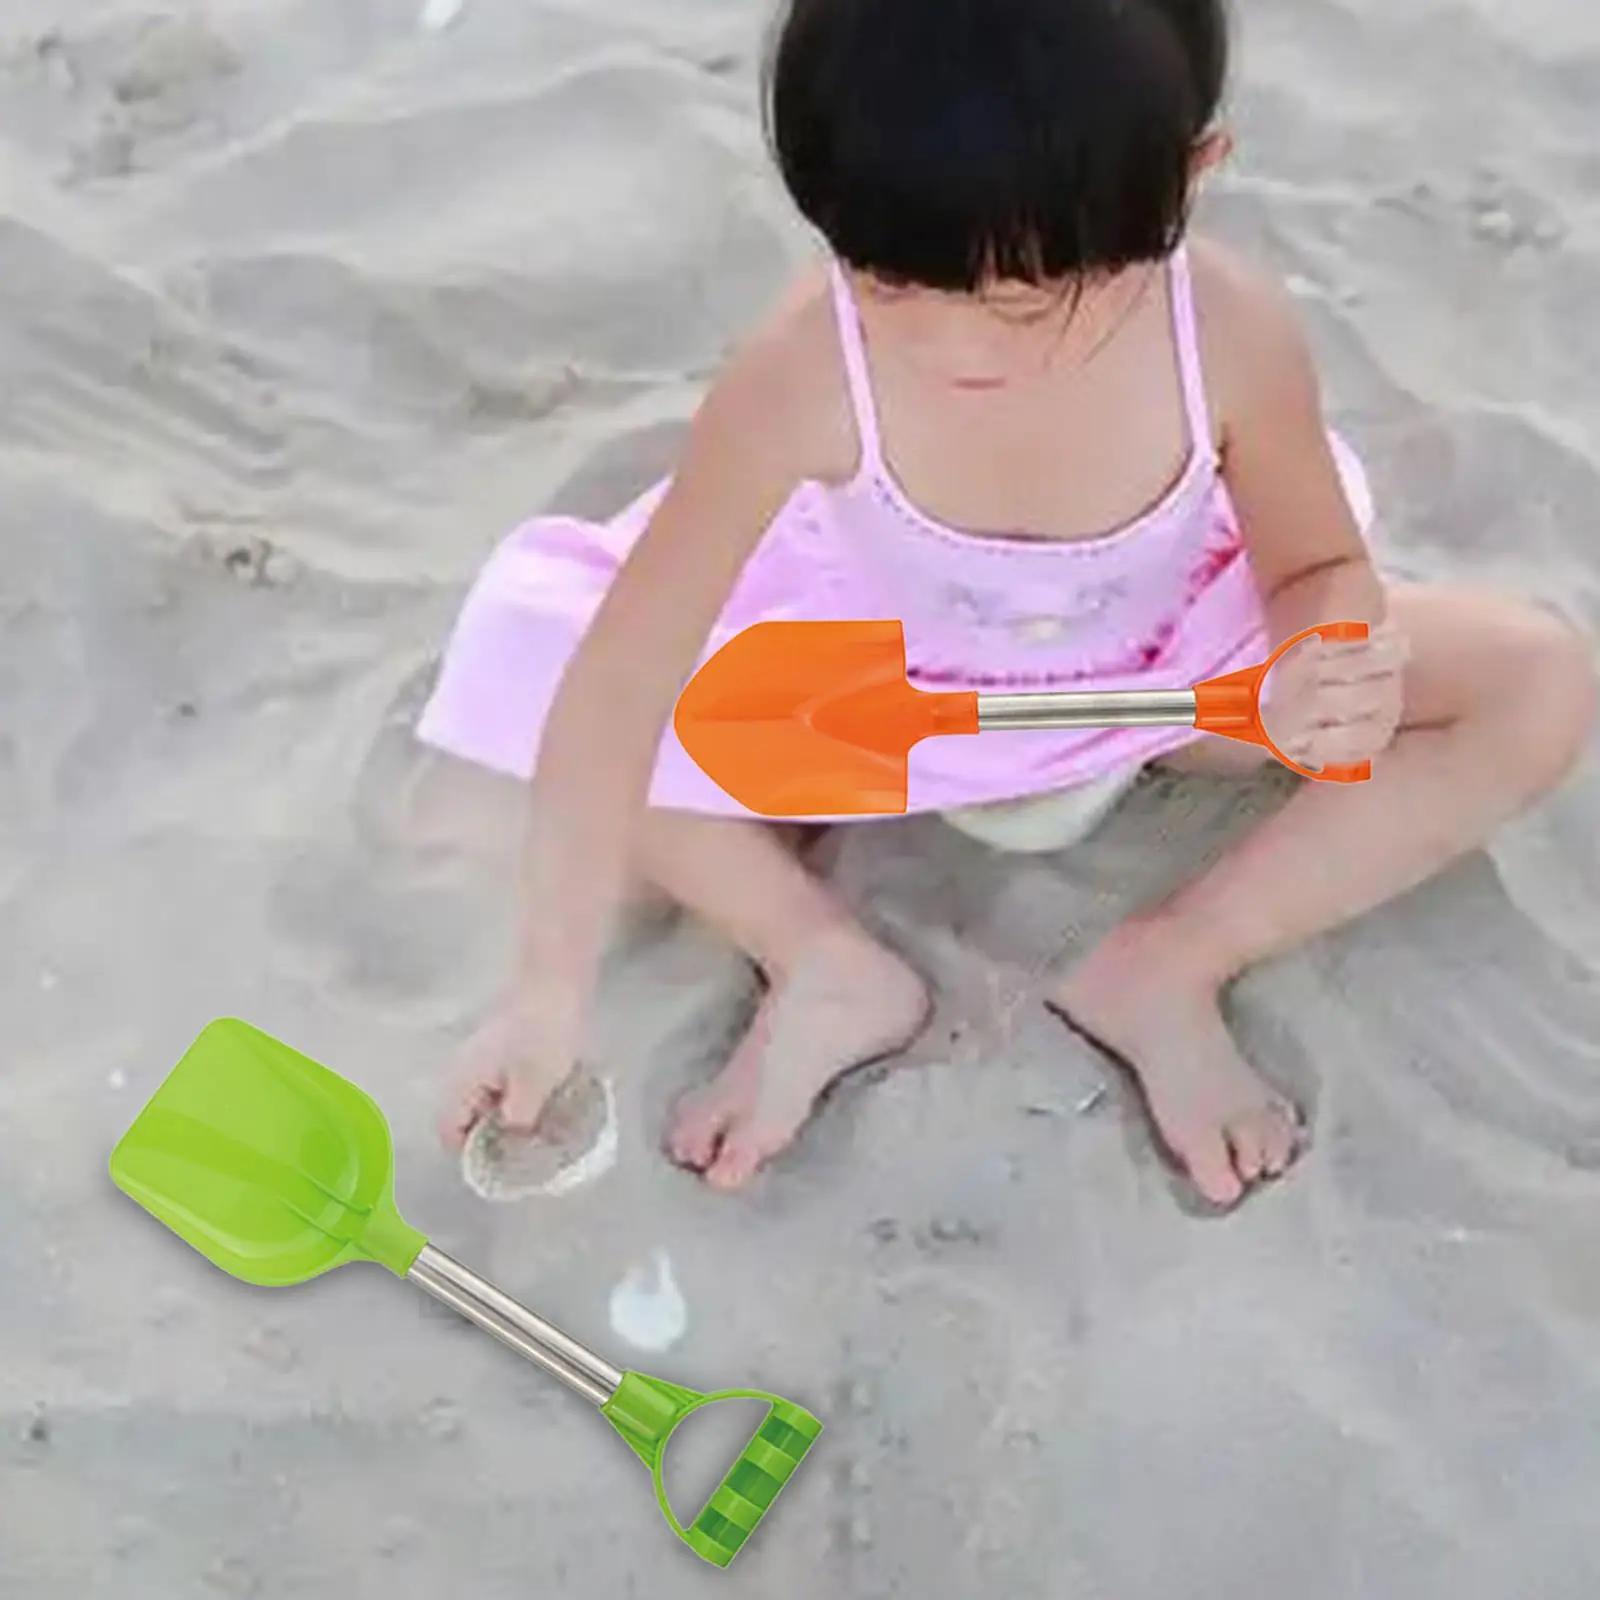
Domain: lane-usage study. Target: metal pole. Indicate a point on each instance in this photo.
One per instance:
(1134, 708)
(514, 1325)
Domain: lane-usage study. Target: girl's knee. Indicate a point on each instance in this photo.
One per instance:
(1547, 700)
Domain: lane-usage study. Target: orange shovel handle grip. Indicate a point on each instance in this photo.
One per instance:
(1231, 706)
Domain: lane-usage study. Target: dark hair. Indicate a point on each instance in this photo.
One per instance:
(946, 143)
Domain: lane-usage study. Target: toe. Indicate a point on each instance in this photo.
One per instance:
(697, 1132)
(1281, 1136)
(737, 1162)
(1210, 1165)
(1247, 1141)
(692, 1153)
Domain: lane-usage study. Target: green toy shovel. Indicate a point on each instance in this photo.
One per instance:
(276, 1170)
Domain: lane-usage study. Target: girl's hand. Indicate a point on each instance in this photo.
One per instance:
(515, 1061)
(1337, 704)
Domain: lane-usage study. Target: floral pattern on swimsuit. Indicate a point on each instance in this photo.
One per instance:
(1000, 613)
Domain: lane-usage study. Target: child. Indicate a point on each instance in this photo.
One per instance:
(1021, 411)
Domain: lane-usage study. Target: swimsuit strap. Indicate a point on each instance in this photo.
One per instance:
(1186, 333)
(852, 345)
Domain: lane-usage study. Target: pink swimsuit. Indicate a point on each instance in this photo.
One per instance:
(1164, 601)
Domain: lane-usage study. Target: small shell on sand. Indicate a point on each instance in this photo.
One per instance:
(576, 1143)
(647, 1308)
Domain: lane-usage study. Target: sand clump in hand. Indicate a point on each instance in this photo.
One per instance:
(574, 1144)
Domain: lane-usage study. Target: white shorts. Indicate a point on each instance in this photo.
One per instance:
(1043, 823)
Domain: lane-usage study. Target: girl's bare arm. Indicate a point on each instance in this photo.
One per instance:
(1307, 553)
(765, 425)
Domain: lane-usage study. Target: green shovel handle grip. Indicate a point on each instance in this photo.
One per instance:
(751, 1484)
(647, 1412)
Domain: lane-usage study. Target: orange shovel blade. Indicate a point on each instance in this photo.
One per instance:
(813, 719)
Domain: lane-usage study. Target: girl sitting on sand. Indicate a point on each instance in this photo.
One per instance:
(1023, 411)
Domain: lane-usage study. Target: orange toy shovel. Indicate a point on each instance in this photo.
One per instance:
(817, 719)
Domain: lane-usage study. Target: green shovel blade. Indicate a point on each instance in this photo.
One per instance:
(274, 1168)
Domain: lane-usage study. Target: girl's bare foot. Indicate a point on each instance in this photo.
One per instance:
(1217, 1119)
(848, 1002)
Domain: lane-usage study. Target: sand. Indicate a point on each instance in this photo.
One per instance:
(304, 304)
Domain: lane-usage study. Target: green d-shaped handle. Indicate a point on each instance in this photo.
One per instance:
(647, 1411)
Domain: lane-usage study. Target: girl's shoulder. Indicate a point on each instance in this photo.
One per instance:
(789, 375)
(1250, 332)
